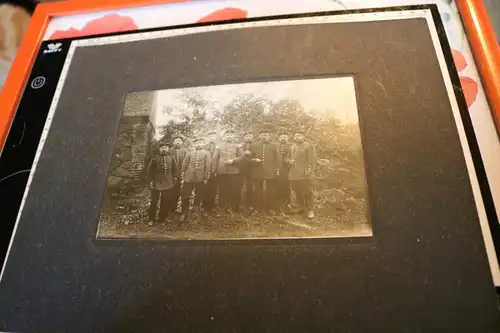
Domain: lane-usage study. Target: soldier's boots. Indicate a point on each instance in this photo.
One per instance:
(151, 219)
(184, 211)
(199, 214)
(183, 217)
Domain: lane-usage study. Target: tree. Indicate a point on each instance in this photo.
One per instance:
(192, 119)
(243, 113)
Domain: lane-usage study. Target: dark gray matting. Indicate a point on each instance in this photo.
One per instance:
(426, 271)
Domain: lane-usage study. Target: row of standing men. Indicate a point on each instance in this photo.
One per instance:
(267, 170)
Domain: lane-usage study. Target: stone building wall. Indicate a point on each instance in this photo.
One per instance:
(132, 145)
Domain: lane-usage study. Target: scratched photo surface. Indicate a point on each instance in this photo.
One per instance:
(278, 159)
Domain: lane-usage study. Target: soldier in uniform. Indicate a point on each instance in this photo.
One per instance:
(178, 154)
(265, 168)
(283, 191)
(196, 168)
(160, 171)
(228, 173)
(211, 187)
(302, 160)
(245, 164)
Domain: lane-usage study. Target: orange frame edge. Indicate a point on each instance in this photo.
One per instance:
(478, 27)
(486, 50)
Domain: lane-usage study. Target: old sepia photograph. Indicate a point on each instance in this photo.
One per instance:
(258, 160)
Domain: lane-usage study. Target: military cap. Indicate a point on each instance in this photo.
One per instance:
(163, 143)
(177, 137)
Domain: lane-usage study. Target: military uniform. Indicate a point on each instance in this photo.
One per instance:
(245, 165)
(283, 190)
(211, 186)
(196, 169)
(264, 173)
(160, 173)
(228, 176)
(178, 155)
(301, 173)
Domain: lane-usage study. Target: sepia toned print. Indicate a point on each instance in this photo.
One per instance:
(279, 159)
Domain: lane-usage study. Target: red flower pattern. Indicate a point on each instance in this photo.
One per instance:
(116, 23)
(106, 24)
(469, 86)
(459, 59)
(224, 14)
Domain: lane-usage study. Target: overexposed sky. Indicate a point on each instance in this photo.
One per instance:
(328, 97)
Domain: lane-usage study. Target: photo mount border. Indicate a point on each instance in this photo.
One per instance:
(469, 132)
(355, 239)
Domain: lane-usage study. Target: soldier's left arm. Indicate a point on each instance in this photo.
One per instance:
(217, 158)
(173, 166)
(214, 164)
(185, 163)
(311, 156)
(150, 171)
(239, 155)
(184, 153)
(239, 151)
(208, 165)
(253, 150)
(277, 156)
(288, 156)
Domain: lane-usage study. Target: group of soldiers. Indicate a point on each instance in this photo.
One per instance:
(267, 170)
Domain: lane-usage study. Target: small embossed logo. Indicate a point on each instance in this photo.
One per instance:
(53, 47)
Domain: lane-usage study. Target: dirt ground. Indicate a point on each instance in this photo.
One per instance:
(127, 218)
